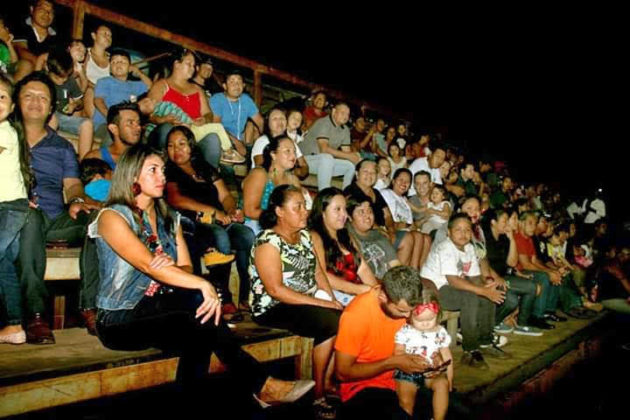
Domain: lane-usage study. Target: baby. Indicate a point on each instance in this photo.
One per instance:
(438, 210)
(383, 179)
(424, 336)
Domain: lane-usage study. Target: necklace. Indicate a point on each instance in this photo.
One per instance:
(238, 118)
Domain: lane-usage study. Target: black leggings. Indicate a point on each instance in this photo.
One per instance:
(303, 320)
(167, 321)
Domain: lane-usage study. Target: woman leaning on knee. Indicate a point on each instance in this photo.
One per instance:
(148, 296)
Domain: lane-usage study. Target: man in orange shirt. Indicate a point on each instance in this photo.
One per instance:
(364, 350)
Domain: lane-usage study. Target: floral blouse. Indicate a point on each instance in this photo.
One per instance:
(298, 269)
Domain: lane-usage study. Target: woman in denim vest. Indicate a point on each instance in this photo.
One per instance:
(148, 296)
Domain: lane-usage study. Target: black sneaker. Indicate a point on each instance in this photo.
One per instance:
(581, 313)
(554, 317)
(541, 324)
(474, 359)
(494, 351)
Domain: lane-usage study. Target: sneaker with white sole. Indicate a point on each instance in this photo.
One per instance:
(503, 328)
(527, 330)
(497, 341)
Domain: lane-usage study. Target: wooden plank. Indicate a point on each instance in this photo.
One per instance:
(78, 19)
(168, 36)
(22, 398)
(304, 363)
(62, 269)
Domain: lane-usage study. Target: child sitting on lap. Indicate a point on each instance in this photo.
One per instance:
(424, 336)
(163, 108)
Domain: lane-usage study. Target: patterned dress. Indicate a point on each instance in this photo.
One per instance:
(298, 269)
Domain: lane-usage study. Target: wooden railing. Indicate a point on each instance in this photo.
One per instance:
(81, 8)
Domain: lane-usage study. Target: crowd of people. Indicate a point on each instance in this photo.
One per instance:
(417, 228)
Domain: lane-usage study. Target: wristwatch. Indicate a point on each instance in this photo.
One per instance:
(76, 200)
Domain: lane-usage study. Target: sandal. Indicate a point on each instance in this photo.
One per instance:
(323, 410)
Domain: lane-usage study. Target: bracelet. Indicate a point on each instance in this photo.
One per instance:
(76, 200)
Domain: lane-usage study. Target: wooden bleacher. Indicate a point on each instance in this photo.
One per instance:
(79, 368)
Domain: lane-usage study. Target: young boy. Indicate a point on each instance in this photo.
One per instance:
(69, 99)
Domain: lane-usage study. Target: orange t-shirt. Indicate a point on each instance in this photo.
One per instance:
(366, 332)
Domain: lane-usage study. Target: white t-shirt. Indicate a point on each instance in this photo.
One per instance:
(296, 137)
(446, 260)
(262, 142)
(396, 166)
(422, 343)
(400, 210)
(381, 184)
(422, 164)
(595, 211)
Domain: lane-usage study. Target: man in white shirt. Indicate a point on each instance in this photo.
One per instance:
(430, 164)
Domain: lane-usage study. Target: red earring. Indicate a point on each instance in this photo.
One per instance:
(135, 189)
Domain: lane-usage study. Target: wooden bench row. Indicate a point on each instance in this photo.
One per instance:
(79, 368)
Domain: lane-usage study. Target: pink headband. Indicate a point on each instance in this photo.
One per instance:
(433, 307)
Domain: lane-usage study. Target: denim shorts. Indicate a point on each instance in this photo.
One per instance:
(414, 378)
(69, 123)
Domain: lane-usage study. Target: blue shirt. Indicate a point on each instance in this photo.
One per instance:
(114, 91)
(53, 159)
(233, 115)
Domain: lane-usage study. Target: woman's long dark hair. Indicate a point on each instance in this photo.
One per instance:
(268, 218)
(272, 147)
(399, 172)
(316, 223)
(127, 171)
(199, 164)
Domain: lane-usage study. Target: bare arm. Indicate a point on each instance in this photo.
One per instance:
(269, 267)
(259, 122)
(253, 187)
(140, 75)
(226, 199)
(348, 369)
(301, 168)
(512, 258)
(99, 103)
(24, 53)
(490, 293)
(336, 282)
(445, 213)
(115, 230)
(339, 154)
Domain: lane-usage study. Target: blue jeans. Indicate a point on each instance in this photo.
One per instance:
(547, 301)
(13, 215)
(233, 237)
(521, 291)
(209, 146)
(32, 256)
(325, 166)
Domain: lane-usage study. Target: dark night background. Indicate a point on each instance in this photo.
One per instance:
(540, 88)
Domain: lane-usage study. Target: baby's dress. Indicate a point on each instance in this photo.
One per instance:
(435, 221)
(421, 343)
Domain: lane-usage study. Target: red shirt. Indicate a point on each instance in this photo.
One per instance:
(365, 331)
(524, 246)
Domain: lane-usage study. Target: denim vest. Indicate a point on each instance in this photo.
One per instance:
(121, 285)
